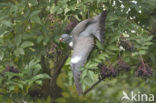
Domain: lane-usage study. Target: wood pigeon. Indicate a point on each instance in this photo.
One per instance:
(82, 42)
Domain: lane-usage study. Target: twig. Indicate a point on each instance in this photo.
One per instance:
(142, 60)
(96, 83)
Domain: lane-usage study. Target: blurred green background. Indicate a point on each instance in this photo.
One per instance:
(35, 66)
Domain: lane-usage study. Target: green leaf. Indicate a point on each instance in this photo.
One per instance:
(149, 38)
(36, 19)
(68, 61)
(34, 13)
(20, 86)
(65, 94)
(39, 82)
(38, 77)
(103, 56)
(84, 73)
(18, 40)
(66, 10)
(91, 65)
(19, 51)
(1, 55)
(60, 100)
(41, 76)
(149, 43)
(142, 52)
(6, 23)
(83, 87)
(33, 2)
(113, 47)
(53, 9)
(135, 54)
(91, 75)
(48, 99)
(26, 44)
(11, 88)
(99, 45)
(37, 68)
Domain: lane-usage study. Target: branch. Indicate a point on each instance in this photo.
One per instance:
(109, 72)
(1, 93)
(54, 89)
(96, 83)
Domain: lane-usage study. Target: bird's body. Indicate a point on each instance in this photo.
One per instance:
(79, 57)
(83, 42)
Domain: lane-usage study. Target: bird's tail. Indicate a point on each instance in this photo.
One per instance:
(102, 25)
(76, 74)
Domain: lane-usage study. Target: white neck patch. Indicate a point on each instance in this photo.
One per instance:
(75, 59)
(71, 44)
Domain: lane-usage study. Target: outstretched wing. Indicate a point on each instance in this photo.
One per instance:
(99, 27)
(102, 25)
(96, 27)
(79, 28)
(79, 57)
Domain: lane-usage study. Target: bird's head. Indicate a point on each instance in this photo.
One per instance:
(66, 38)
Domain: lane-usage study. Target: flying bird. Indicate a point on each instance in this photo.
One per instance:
(82, 42)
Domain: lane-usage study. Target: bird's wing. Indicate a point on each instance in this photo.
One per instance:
(81, 51)
(79, 28)
(102, 25)
(94, 26)
(97, 28)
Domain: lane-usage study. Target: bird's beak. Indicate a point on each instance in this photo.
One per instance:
(61, 39)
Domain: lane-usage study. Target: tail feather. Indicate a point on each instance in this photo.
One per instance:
(76, 75)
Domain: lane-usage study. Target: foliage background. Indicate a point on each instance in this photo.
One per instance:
(35, 67)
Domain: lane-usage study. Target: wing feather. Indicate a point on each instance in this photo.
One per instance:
(79, 28)
(102, 25)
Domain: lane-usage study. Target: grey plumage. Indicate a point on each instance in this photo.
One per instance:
(67, 38)
(79, 28)
(82, 49)
(83, 42)
(96, 27)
